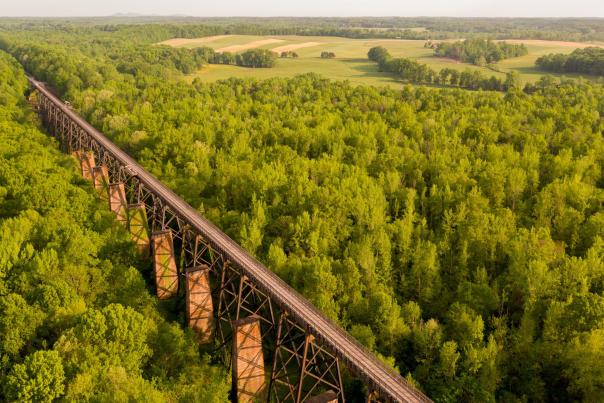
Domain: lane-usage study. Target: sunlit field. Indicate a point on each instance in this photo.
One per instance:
(351, 57)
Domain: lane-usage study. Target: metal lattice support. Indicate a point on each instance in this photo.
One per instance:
(199, 252)
(301, 367)
(373, 397)
(227, 304)
(164, 264)
(249, 380)
(240, 298)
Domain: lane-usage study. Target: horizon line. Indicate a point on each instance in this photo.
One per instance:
(137, 15)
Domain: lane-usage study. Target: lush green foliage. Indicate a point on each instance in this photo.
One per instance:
(130, 59)
(159, 58)
(419, 73)
(378, 54)
(132, 29)
(77, 321)
(457, 233)
(478, 51)
(588, 61)
(257, 58)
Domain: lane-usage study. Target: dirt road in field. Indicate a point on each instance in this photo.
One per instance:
(249, 45)
(294, 46)
(178, 42)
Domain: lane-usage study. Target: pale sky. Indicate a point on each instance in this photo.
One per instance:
(311, 8)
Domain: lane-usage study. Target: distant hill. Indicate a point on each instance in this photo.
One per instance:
(146, 15)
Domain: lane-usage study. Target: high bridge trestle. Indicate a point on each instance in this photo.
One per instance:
(278, 345)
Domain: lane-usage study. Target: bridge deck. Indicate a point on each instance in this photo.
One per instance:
(354, 355)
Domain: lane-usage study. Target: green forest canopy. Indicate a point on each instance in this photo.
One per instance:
(77, 321)
(478, 51)
(160, 28)
(587, 61)
(458, 234)
(418, 73)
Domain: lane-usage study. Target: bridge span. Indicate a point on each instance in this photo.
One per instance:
(279, 346)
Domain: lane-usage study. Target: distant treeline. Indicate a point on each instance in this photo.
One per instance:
(478, 51)
(589, 61)
(187, 61)
(136, 28)
(418, 73)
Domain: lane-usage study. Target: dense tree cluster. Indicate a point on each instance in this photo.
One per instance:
(328, 55)
(77, 321)
(586, 61)
(414, 72)
(459, 234)
(158, 58)
(478, 51)
(257, 58)
(378, 54)
(289, 53)
(187, 61)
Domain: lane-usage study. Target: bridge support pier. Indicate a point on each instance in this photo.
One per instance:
(249, 381)
(138, 227)
(117, 201)
(100, 176)
(200, 309)
(87, 163)
(164, 264)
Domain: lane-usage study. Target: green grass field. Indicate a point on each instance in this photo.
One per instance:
(351, 58)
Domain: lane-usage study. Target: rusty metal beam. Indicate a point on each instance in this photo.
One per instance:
(302, 368)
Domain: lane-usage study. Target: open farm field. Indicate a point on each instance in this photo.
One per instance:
(351, 57)
(525, 65)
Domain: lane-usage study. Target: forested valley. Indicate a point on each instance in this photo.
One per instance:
(77, 319)
(458, 234)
